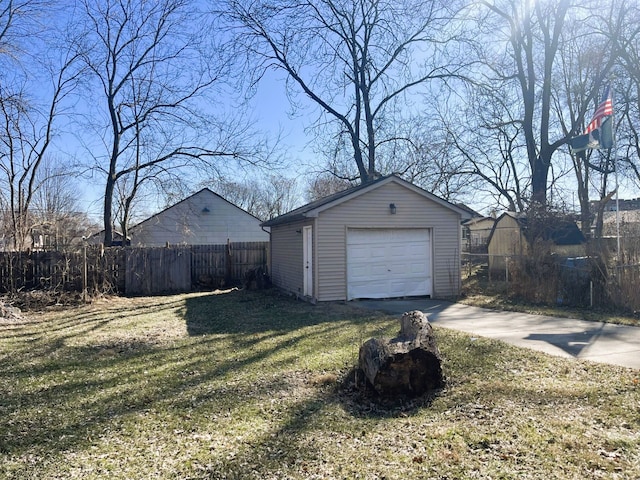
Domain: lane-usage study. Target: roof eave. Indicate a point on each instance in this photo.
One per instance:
(391, 178)
(315, 211)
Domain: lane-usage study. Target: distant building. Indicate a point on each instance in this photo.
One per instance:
(118, 239)
(475, 234)
(204, 218)
(611, 205)
(629, 221)
(511, 236)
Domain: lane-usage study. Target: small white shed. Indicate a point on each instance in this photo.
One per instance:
(385, 239)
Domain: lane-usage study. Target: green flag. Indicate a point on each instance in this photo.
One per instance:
(579, 143)
(606, 133)
(600, 138)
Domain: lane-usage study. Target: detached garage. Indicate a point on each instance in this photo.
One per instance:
(385, 239)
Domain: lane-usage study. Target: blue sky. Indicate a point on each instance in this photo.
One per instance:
(270, 109)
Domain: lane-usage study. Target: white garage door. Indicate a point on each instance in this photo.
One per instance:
(385, 263)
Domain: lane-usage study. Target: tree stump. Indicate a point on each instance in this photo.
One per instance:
(409, 364)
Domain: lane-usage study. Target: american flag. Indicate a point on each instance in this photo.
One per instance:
(604, 110)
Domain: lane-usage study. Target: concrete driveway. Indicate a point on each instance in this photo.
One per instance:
(565, 337)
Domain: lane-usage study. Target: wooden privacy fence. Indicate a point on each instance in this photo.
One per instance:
(132, 270)
(92, 268)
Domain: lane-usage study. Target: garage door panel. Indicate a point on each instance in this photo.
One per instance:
(407, 289)
(362, 289)
(378, 269)
(418, 269)
(398, 251)
(358, 252)
(406, 235)
(359, 272)
(416, 249)
(366, 237)
(385, 263)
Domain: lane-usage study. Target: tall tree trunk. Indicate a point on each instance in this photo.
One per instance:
(108, 210)
(539, 176)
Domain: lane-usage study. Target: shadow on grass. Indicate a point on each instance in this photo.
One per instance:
(288, 444)
(246, 359)
(242, 312)
(59, 396)
(302, 445)
(86, 392)
(357, 397)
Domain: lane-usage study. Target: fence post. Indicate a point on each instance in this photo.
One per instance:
(227, 264)
(84, 273)
(506, 273)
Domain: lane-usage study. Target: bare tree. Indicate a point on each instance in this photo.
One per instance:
(324, 185)
(579, 61)
(265, 199)
(244, 194)
(56, 214)
(154, 77)
(280, 195)
(428, 157)
(482, 132)
(533, 32)
(627, 87)
(358, 62)
(29, 112)
(19, 21)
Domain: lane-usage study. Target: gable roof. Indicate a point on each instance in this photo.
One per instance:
(470, 211)
(479, 220)
(204, 191)
(316, 207)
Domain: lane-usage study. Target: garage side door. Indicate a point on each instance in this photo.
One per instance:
(386, 263)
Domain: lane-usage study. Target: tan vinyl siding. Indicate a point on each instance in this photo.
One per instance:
(371, 210)
(506, 240)
(202, 219)
(479, 231)
(287, 256)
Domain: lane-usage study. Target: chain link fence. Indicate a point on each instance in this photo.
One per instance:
(588, 281)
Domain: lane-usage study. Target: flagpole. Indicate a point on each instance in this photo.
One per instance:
(588, 140)
(615, 168)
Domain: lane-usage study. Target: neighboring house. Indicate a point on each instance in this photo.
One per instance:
(475, 234)
(620, 204)
(204, 218)
(510, 238)
(388, 238)
(98, 238)
(626, 222)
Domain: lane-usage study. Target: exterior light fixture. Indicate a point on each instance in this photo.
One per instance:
(205, 210)
(392, 208)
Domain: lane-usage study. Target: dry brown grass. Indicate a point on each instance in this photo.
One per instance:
(247, 385)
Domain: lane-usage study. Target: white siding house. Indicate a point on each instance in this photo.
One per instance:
(204, 218)
(388, 238)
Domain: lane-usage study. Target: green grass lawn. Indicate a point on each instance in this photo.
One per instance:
(251, 385)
